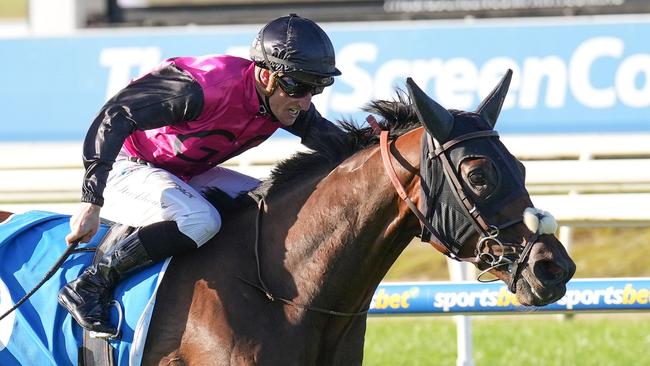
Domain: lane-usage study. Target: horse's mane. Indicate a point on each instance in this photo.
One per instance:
(397, 116)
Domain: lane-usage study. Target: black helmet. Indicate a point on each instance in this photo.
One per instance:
(296, 46)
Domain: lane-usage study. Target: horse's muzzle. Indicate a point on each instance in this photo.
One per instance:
(548, 269)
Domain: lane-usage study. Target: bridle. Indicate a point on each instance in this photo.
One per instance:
(489, 233)
(515, 261)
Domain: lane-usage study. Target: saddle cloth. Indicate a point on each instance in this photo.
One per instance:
(40, 331)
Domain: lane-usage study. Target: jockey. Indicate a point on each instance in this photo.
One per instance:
(158, 143)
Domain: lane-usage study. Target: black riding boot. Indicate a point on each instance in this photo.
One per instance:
(87, 297)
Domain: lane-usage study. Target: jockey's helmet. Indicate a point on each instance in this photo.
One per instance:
(298, 47)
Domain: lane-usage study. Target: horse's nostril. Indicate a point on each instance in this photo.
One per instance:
(548, 272)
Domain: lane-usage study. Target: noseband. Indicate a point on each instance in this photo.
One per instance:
(489, 234)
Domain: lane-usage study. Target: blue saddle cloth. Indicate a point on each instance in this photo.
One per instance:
(41, 332)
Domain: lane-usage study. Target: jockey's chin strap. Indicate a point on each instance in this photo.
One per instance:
(489, 233)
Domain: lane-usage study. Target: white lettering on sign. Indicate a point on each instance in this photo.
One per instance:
(536, 70)
(546, 81)
(6, 324)
(121, 63)
(580, 70)
(238, 51)
(633, 68)
(354, 75)
(461, 83)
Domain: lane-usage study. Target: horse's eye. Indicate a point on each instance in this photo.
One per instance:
(477, 177)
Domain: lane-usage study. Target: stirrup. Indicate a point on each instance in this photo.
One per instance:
(120, 318)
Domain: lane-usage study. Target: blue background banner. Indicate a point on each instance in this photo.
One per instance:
(583, 75)
(606, 294)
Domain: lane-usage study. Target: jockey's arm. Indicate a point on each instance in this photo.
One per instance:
(164, 97)
(161, 98)
(316, 131)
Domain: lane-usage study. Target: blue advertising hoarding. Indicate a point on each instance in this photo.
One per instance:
(578, 75)
(438, 298)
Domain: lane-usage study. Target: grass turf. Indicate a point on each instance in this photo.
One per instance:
(13, 9)
(543, 340)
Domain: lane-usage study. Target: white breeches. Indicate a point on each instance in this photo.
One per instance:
(138, 195)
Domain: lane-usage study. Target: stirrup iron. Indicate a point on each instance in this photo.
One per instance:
(120, 318)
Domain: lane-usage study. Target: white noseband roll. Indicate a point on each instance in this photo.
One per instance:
(539, 221)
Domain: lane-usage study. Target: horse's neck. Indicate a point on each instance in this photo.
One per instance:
(346, 235)
(324, 243)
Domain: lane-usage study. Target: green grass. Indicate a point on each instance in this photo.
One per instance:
(585, 340)
(612, 252)
(13, 9)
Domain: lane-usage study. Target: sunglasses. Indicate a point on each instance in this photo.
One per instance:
(297, 89)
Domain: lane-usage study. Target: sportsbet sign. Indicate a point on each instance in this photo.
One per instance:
(608, 294)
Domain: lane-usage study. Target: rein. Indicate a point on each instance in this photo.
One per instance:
(265, 289)
(488, 233)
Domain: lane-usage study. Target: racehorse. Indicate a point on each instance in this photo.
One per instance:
(289, 278)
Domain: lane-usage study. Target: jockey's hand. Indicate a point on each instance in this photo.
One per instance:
(85, 224)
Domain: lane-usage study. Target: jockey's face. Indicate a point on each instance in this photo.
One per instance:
(286, 108)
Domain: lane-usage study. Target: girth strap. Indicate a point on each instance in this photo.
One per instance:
(95, 351)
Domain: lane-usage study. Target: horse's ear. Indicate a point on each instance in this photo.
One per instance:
(434, 117)
(490, 107)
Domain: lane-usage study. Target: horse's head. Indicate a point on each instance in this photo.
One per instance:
(476, 202)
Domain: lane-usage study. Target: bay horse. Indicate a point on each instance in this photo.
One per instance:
(291, 274)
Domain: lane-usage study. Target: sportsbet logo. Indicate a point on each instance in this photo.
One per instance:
(632, 296)
(606, 294)
(603, 297)
(398, 300)
(465, 299)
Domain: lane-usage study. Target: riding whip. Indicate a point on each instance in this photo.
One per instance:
(71, 248)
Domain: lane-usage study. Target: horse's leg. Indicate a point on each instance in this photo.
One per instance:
(5, 215)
